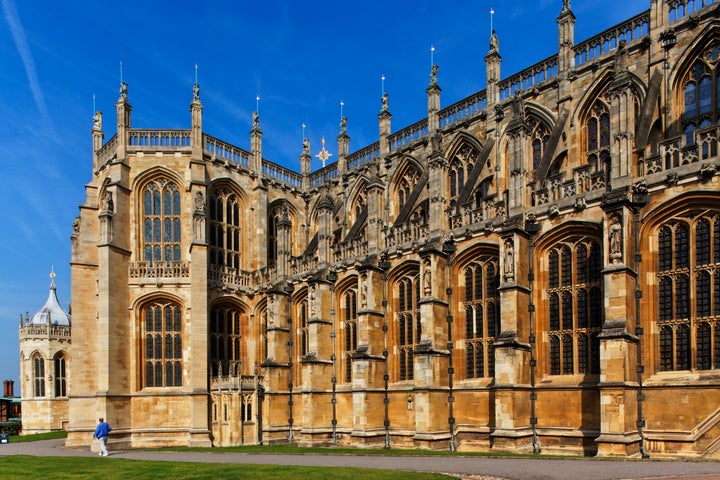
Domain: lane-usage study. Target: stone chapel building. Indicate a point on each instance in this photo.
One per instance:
(534, 268)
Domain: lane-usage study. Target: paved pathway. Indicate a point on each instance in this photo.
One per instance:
(505, 468)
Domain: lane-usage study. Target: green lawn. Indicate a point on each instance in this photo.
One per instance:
(22, 466)
(37, 436)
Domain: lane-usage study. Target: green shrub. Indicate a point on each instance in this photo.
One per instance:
(12, 427)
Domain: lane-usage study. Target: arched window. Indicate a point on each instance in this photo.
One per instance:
(481, 305)
(349, 316)
(225, 341)
(38, 375)
(460, 167)
(701, 95)
(689, 293)
(409, 327)
(161, 222)
(225, 234)
(539, 136)
(598, 137)
(407, 184)
(278, 217)
(574, 306)
(60, 374)
(162, 338)
(302, 332)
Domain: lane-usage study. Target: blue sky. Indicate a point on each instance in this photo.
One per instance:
(301, 58)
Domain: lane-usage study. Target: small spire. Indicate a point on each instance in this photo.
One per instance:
(196, 86)
(52, 277)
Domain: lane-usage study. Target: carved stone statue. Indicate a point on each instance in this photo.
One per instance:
(311, 301)
(199, 203)
(123, 90)
(76, 225)
(108, 206)
(306, 146)
(363, 291)
(509, 264)
(384, 102)
(615, 240)
(494, 42)
(196, 92)
(427, 279)
(566, 6)
(97, 120)
(255, 121)
(433, 74)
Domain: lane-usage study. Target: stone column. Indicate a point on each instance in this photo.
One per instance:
(618, 353)
(431, 356)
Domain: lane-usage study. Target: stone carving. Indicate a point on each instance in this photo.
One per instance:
(76, 225)
(97, 120)
(108, 206)
(363, 290)
(427, 279)
(311, 301)
(199, 217)
(494, 42)
(433, 75)
(615, 239)
(509, 264)
(196, 92)
(384, 103)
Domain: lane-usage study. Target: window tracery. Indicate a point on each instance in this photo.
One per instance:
(407, 184)
(574, 306)
(409, 327)
(701, 95)
(539, 136)
(302, 332)
(598, 137)
(460, 167)
(225, 341)
(162, 344)
(689, 293)
(38, 372)
(482, 317)
(225, 229)
(161, 222)
(350, 332)
(60, 364)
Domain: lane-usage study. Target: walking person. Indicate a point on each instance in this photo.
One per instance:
(101, 433)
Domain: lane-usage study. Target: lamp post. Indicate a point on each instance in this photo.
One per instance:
(667, 41)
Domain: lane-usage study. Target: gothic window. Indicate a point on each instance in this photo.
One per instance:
(689, 293)
(409, 328)
(224, 218)
(278, 217)
(162, 349)
(225, 341)
(598, 137)
(539, 135)
(460, 167)
(60, 375)
(701, 95)
(482, 317)
(574, 306)
(38, 374)
(359, 204)
(482, 192)
(303, 338)
(161, 222)
(407, 185)
(349, 312)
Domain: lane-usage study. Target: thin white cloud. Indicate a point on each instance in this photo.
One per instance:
(18, 34)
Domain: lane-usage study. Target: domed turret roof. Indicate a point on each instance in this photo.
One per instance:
(51, 313)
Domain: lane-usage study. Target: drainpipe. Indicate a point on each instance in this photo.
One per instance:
(532, 228)
(449, 248)
(384, 265)
(638, 333)
(332, 278)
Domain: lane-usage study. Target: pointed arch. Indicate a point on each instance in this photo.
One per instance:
(227, 207)
(407, 187)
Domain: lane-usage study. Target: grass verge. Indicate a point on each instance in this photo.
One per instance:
(24, 467)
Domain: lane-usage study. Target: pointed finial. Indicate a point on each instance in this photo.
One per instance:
(324, 154)
(196, 73)
(52, 277)
(342, 104)
(382, 83)
(432, 55)
(121, 72)
(492, 12)
(257, 103)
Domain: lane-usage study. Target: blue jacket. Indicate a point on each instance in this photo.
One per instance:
(102, 430)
